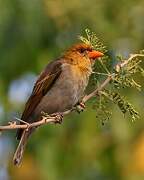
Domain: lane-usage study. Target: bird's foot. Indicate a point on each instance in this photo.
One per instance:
(58, 117)
(80, 107)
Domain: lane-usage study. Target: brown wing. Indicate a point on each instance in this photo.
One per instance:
(44, 82)
(41, 87)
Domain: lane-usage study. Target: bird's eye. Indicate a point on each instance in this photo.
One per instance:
(90, 49)
(82, 50)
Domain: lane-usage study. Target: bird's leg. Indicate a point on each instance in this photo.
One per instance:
(58, 117)
(80, 106)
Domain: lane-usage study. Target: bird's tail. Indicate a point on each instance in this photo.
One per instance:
(21, 147)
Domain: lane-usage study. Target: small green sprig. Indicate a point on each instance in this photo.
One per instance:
(125, 77)
(101, 105)
(122, 103)
(93, 40)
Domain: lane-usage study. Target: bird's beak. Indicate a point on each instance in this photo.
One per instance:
(95, 54)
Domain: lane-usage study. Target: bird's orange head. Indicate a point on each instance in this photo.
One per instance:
(83, 56)
(83, 50)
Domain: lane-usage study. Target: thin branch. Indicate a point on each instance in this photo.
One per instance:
(111, 76)
(96, 92)
(54, 118)
(45, 120)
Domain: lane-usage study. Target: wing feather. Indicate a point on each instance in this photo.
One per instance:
(43, 84)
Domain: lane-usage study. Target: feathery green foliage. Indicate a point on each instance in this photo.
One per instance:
(122, 103)
(93, 40)
(122, 78)
(125, 77)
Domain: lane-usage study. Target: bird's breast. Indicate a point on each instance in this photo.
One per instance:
(75, 80)
(66, 91)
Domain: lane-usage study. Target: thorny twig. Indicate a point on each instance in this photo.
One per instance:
(53, 118)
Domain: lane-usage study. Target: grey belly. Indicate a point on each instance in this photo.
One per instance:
(61, 97)
(56, 100)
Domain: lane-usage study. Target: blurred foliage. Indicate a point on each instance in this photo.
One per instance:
(34, 32)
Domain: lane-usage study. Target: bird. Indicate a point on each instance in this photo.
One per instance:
(59, 87)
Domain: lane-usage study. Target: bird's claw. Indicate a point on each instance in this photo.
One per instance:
(58, 117)
(80, 107)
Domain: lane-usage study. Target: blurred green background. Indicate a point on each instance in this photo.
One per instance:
(33, 32)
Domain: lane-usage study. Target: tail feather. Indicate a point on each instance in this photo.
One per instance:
(21, 147)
